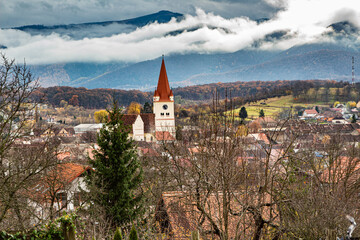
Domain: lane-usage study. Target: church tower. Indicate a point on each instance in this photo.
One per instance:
(164, 104)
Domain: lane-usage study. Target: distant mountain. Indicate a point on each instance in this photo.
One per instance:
(101, 29)
(160, 17)
(143, 75)
(344, 27)
(319, 64)
(311, 61)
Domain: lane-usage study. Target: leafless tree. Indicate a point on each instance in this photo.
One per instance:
(22, 167)
(21, 163)
(16, 85)
(227, 179)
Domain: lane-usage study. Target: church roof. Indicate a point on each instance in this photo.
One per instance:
(129, 120)
(163, 89)
(149, 122)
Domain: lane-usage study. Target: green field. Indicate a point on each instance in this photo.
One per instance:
(273, 106)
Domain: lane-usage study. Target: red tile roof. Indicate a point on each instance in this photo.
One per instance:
(164, 136)
(56, 180)
(342, 169)
(311, 111)
(149, 152)
(178, 215)
(70, 171)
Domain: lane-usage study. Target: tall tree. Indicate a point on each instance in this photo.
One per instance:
(261, 113)
(117, 235)
(243, 114)
(317, 109)
(147, 108)
(20, 164)
(134, 108)
(101, 116)
(118, 173)
(133, 234)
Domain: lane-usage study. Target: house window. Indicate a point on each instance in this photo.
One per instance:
(162, 114)
(167, 114)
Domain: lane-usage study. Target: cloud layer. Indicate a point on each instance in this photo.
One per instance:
(298, 22)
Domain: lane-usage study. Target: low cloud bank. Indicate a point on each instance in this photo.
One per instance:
(299, 22)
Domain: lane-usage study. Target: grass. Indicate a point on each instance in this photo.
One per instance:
(273, 106)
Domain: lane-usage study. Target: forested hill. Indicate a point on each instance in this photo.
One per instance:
(255, 90)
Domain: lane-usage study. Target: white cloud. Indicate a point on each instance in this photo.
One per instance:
(306, 21)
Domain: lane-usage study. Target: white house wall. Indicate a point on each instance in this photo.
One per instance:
(138, 129)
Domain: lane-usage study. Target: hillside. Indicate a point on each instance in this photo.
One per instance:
(243, 91)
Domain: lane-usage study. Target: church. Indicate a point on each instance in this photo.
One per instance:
(159, 125)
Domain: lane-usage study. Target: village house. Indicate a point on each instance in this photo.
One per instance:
(54, 132)
(309, 114)
(59, 190)
(92, 127)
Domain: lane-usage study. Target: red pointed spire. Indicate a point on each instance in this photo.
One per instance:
(163, 89)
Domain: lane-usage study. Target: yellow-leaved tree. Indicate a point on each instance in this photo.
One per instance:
(134, 108)
(101, 116)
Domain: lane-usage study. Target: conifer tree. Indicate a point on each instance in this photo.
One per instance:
(243, 114)
(133, 234)
(261, 113)
(147, 108)
(114, 185)
(118, 235)
(353, 119)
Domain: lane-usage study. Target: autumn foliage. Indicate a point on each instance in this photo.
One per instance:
(101, 116)
(134, 108)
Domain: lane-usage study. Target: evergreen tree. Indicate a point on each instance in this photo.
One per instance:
(261, 113)
(317, 109)
(133, 234)
(147, 108)
(353, 119)
(243, 114)
(118, 173)
(118, 235)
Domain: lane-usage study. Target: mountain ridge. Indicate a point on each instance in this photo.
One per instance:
(162, 16)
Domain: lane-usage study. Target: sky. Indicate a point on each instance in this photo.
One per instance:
(209, 26)
(15, 13)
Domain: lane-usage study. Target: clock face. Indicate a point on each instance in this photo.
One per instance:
(165, 106)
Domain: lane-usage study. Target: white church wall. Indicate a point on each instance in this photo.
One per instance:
(164, 118)
(138, 129)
